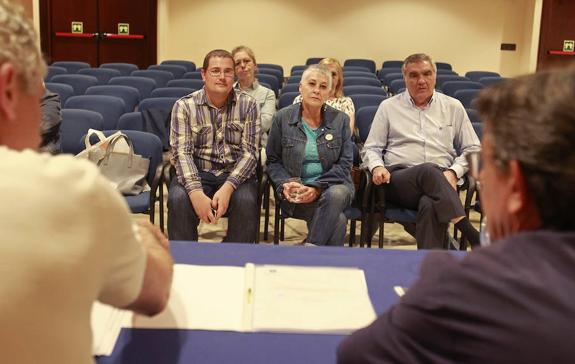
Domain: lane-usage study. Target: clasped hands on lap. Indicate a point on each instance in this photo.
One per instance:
(381, 175)
(210, 210)
(295, 192)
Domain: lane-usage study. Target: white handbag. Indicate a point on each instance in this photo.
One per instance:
(117, 161)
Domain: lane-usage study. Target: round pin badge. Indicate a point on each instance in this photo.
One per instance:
(328, 137)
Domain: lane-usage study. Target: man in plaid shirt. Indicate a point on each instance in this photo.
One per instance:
(215, 139)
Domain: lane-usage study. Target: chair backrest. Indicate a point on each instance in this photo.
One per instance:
(71, 66)
(102, 74)
(365, 81)
(189, 83)
(363, 74)
(466, 97)
(384, 71)
(129, 94)
(274, 72)
(165, 104)
(363, 119)
(367, 63)
(194, 75)
(161, 77)
(450, 87)
(53, 71)
(156, 113)
(313, 60)
(286, 99)
(111, 107)
(297, 68)
(443, 66)
(131, 121)
(124, 68)
(478, 128)
(142, 84)
(176, 70)
(388, 78)
(355, 69)
(297, 73)
(63, 90)
(362, 89)
(441, 79)
(290, 87)
(488, 81)
(397, 86)
(271, 66)
(477, 75)
(78, 82)
(270, 80)
(189, 65)
(294, 79)
(171, 92)
(75, 124)
(392, 64)
(360, 101)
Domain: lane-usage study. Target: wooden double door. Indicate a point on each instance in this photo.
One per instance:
(99, 31)
(557, 26)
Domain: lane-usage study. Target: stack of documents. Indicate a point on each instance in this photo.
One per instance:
(274, 298)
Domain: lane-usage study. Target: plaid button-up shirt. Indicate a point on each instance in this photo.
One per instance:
(205, 138)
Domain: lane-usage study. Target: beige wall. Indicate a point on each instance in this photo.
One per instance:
(466, 33)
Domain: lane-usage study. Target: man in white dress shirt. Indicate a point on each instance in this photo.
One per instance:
(416, 147)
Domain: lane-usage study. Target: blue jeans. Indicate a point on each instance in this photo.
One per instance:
(325, 219)
(242, 214)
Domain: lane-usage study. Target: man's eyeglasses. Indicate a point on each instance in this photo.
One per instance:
(216, 72)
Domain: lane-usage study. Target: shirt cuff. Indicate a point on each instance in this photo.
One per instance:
(233, 181)
(459, 171)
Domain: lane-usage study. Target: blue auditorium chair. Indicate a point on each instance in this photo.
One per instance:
(129, 94)
(194, 75)
(450, 87)
(367, 63)
(477, 75)
(189, 65)
(53, 71)
(102, 74)
(78, 82)
(124, 68)
(75, 124)
(189, 83)
(176, 70)
(363, 81)
(161, 77)
(65, 91)
(144, 85)
(466, 97)
(171, 92)
(286, 99)
(110, 107)
(71, 66)
(365, 90)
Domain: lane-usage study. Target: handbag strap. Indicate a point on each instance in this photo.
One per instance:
(91, 132)
(110, 149)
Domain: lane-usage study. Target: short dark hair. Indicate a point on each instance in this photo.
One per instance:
(531, 119)
(216, 53)
(418, 57)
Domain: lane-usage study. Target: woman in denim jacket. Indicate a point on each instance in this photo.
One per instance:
(310, 154)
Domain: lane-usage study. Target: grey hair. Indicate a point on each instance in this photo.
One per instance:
(418, 57)
(531, 119)
(18, 44)
(318, 68)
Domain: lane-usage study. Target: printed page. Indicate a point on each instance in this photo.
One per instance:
(204, 298)
(310, 299)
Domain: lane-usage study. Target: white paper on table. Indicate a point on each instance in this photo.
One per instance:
(310, 299)
(203, 297)
(107, 321)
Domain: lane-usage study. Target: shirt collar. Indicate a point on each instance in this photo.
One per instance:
(252, 87)
(232, 98)
(409, 99)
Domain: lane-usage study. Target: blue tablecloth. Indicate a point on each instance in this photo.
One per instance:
(384, 269)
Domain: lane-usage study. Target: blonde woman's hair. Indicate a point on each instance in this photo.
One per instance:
(338, 87)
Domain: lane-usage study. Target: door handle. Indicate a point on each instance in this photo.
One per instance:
(76, 35)
(121, 36)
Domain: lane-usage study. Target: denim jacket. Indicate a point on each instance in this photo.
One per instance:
(286, 148)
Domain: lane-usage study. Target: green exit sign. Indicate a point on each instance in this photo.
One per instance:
(124, 28)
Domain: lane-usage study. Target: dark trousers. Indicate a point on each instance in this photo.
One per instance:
(424, 188)
(242, 213)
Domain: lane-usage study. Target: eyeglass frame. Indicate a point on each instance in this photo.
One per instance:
(216, 72)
